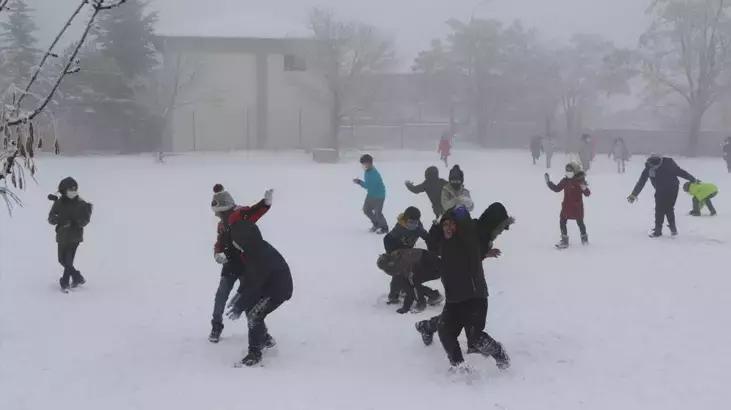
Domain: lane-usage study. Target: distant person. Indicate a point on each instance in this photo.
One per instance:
(536, 147)
(663, 173)
(549, 147)
(575, 188)
(620, 153)
(70, 215)
(702, 193)
(433, 186)
(445, 147)
(224, 253)
(454, 193)
(375, 197)
(586, 152)
(727, 153)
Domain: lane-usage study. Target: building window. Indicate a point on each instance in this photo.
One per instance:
(294, 63)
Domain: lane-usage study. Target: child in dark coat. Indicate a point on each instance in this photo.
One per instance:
(265, 284)
(69, 214)
(410, 269)
(404, 235)
(574, 187)
(224, 253)
(433, 186)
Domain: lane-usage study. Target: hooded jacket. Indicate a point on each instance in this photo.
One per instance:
(267, 273)
(402, 237)
(702, 190)
(433, 186)
(573, 195)
(664, 177)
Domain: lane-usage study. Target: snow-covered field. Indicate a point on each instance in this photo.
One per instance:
(627, 323)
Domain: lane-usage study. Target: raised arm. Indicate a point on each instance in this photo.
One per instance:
(416, 189)
(641, 183)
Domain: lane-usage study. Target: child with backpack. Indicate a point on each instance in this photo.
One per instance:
(574, 187)
(410, 269)
(702, 193)
(70, 215)
(224, 253)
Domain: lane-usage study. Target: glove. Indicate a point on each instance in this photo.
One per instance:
(220, 258)
(269, 197)
(631, 199)
(231, 303)
(494, 253)
(234, 314)
(546, 177)
(583, 187)
(357, 181)
(409, 183)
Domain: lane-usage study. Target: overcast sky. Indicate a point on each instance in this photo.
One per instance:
(413, 23)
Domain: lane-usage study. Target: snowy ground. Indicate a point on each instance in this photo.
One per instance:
(627, 323)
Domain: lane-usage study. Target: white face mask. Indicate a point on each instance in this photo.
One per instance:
(569, 174)
(72, 194)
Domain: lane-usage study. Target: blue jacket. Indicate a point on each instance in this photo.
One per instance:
(373, 183)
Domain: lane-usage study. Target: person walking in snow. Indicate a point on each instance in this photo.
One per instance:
(536, 147)
(232, 261)
(407, 231)
(376, 196)
(621, 154)
(70, 215)
(433, 186)
(265, 285)
(454, 194)
(663, 173)
(463, 243)
(445, 147)
(574, 187)
(410, 269)
(586, 152)
(702, 193)
(727, 153)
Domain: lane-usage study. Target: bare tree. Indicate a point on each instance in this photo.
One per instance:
(16, 125)
(350, 50)
(687, 52)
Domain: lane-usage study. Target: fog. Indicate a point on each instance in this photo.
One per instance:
(412, 22)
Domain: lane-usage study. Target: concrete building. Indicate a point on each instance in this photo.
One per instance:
(245, 93)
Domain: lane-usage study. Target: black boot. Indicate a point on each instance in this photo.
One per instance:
(251, 359)
(77, 280)
(216, 330)
(64, 282)
(269, 341)
(584, 239)
(434, 298)
(502, 360)
(427, 331)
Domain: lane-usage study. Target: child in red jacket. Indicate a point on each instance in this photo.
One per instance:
(574, 187)
(445, 148)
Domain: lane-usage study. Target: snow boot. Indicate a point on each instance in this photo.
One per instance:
(427, 334)
(435, 298)
(269, 341)
(216, 330)
(64, 285)
(584, 239)
(502, 360)
(673, 230)
(251, 359)
(77, 280)
(694, 213)
(564, 243)
(655, 233)
(419, 307)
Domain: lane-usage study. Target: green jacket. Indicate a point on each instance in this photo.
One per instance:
(702, 190)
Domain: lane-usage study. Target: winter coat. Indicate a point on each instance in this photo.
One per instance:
(462, 274)
(445, 147)
(241, 213)
(433, 186)
(586, 153)
(573, 196)
(702, 190)
(620, 152)
(453, 197)
(417, 265)
(664, 178)
(70, 216)
(267, 273)
(373, 184)
(402, 237)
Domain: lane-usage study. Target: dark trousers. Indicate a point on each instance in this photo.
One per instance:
(697, 205)
(621, 166)
(565, 231)
(665, 209)
(66, 256)
(373, 209)
(471, 316)
(225, 285)
(255, 316)
(399, 284)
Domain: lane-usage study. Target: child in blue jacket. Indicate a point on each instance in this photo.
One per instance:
(373, 206)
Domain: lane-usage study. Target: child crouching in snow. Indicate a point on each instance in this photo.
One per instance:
(410, 269)
(574, 187)
(702, 193)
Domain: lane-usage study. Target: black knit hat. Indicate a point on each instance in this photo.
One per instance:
(412, 213)
(68, 184)
(456, 174)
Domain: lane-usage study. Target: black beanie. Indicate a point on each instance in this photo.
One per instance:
(412, 213)
(456, 174)
(67, 184)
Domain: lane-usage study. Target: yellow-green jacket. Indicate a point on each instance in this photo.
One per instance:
(702, 190)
